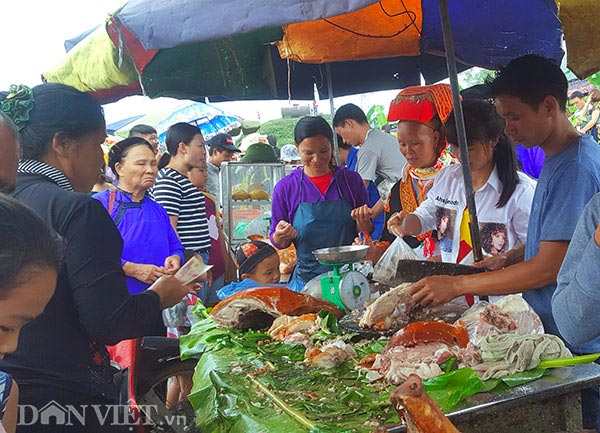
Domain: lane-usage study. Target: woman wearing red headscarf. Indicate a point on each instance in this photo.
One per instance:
(421, 112)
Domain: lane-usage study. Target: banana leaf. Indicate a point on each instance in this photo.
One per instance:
(524, 377)
(225, 401)
(205, 336)
(449, 389)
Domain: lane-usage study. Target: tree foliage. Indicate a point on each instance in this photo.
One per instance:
(595, 79)
(473, 76)
(283, 129)
(376, 116)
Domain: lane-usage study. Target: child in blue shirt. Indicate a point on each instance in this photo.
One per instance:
(258, 264)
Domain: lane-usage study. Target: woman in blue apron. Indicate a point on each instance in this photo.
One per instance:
(311, 206)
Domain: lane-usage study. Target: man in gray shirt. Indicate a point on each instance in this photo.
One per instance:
(379, 158)
(221, 149)
(575, 301)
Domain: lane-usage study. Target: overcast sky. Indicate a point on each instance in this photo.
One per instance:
(33, 33)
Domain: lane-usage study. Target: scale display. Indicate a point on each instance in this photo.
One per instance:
(349, 290)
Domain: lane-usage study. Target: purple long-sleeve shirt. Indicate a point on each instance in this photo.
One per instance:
(148, 237)
(286, 195)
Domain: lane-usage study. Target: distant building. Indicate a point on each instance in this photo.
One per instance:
(296, 111)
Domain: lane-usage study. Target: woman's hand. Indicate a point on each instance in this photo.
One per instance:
(145, 273)
(597, 236)
(362, 216)
(170, 290)
(172, 264)
(395, 224)
(284, 234)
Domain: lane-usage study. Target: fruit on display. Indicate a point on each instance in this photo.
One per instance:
(240, 194)
(259, 194)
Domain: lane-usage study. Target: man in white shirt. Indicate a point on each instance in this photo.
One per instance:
(379, 157)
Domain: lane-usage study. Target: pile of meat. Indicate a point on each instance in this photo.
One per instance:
(298, 330)
(420, 348)
(496, 340)
(484, 337)
(395, 309)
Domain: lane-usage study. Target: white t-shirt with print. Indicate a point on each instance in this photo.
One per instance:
(500, 229)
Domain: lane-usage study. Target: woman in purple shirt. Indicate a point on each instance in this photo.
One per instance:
(150, 246)
(311, 206)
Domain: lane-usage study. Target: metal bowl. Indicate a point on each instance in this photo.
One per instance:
(345, 254)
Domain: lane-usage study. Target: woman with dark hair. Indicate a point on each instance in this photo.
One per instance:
(184, 203)
(311, 206)
(30, 255)
(493, 238)
(62, 356)
(186, 207)
(444, 227)
(502, 194)
(151, 248)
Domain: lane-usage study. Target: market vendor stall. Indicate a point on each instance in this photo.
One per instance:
(246, 191)
(306, 374)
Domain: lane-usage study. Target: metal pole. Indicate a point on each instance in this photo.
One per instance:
(460, 129)
(336, 152)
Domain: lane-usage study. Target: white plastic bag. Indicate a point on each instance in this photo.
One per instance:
(175, 316)
(511, 314)
(386, 268)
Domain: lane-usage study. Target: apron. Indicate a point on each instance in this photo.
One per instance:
(321, 224)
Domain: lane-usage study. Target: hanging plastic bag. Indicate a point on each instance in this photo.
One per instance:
(387, 266)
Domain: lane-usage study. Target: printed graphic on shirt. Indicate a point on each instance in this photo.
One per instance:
(494, 239)
(213, 229)
(445, 219)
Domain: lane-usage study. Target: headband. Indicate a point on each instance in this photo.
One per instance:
(250, 254)
(17, 104)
